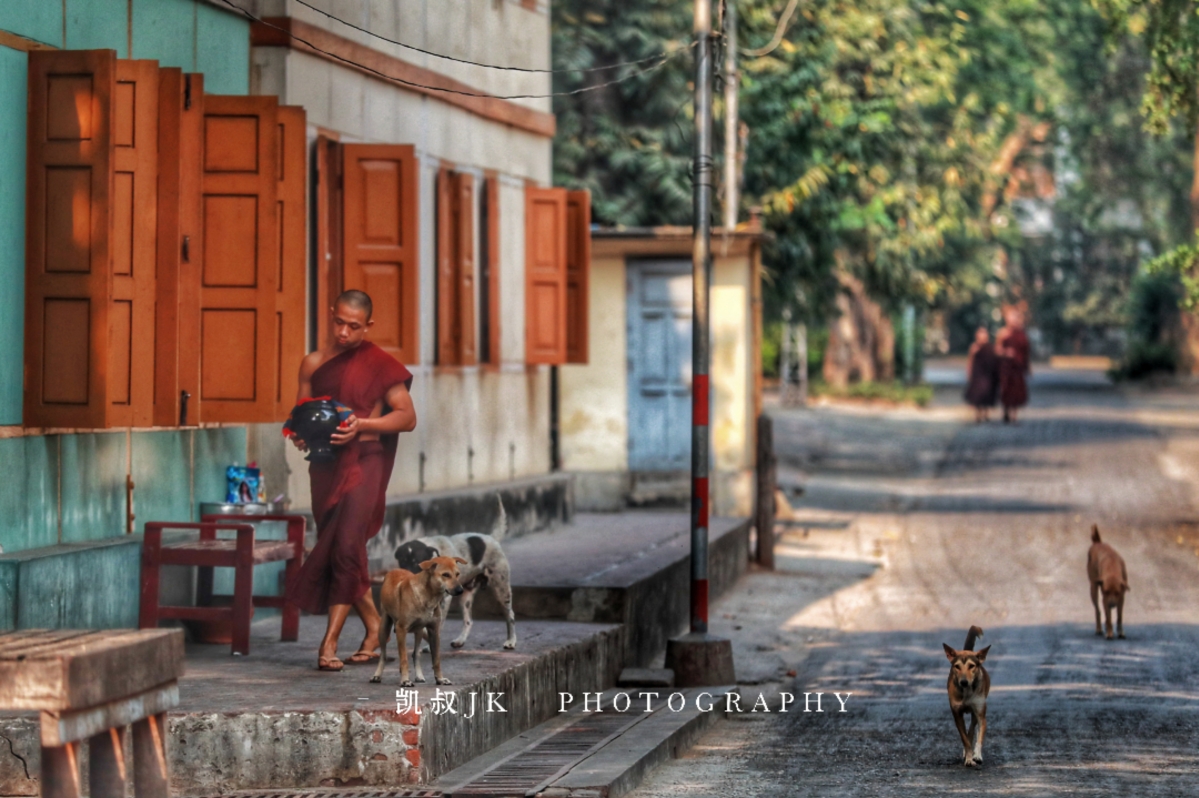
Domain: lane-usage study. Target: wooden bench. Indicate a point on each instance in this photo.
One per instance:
(210, 552)
(90, 685)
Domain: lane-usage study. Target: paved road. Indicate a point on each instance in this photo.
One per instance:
(971, 525)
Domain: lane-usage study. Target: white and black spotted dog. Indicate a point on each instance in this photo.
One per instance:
(485, 564)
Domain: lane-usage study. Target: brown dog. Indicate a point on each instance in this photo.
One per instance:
(969, 684)
(1106, 572)
(410, 603)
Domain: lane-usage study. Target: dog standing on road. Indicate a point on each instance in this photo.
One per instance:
(484, 564)
(1106, 572)
(969, 684)
(410, 602)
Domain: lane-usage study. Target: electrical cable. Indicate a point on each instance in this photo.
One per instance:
(663, 59)
(414, 48)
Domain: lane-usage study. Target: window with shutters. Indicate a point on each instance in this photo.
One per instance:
(456, 293)
(166, 247)
(557, 265)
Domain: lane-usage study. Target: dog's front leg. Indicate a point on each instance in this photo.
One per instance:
(385, 625)
(1095, 601)
(402, 639)
(468, 600)
(1107, 617)
(1120, 617)
(435, 644)
(419, 638)
(960, 722)
(982, 731)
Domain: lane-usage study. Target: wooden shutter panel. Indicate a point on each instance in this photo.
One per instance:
(578, 270)
(545, 275)
(292, 277)
(69, 237)
(238, 265)
(464, 266)
(177, 309)
(134, 244)
(380, 240)
(447, 284)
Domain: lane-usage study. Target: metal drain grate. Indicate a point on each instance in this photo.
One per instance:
(332, 793)
(531, 770)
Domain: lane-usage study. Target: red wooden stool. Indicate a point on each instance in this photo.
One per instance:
(207, 553)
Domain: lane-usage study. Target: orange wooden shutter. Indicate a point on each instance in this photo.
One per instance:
(238, 270)
(447, 284)
(464, 266)
(134, 244)
(292, 277)
(491, 268)
(578, 269)
(545, 275)
(69, 238)
(380, 240)
(177, 309)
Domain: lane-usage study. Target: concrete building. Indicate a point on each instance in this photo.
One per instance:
(626, 413)
(416, 180)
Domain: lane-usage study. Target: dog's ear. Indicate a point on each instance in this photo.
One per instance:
(982, 655)
(949, 652)
(460, 560)
(1095, 533)
(428, 565)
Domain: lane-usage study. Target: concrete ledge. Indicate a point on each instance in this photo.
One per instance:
(532, 505)
(72, 586)
(632, 569)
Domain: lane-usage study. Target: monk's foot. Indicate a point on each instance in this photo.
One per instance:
(362, 657)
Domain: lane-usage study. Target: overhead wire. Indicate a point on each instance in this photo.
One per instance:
(414, 48)
(663, 59)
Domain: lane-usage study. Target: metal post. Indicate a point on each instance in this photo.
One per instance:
(909, 343)
(801, 355)
(732, 186)
(786, 394)
(701, 271)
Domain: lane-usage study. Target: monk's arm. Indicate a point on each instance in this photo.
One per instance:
(401, 417)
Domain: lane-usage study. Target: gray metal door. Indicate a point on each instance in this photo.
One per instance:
(659, 333)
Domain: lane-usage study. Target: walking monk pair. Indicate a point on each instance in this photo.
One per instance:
(349, 494)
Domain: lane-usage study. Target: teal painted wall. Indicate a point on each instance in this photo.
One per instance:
(98, 25)
(14, 76)
(40, 20)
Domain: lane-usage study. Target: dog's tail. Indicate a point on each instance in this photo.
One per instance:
(971, 636)
(1095, 533)
(501, 531)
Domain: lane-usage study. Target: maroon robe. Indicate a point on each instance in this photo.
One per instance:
(1013, 388)
(349, 495)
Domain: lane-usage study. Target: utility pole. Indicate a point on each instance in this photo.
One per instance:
(697, 659)
(732, 80)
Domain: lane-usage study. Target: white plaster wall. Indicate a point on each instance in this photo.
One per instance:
(594, 398)
(732, 341)
(503, 33)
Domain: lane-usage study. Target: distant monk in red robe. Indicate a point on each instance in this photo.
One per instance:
(349, 494)
(1012, 345)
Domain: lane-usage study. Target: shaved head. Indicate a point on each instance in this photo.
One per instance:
(358, 300)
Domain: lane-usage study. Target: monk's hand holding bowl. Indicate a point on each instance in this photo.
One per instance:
(347, 432)
(298, 442)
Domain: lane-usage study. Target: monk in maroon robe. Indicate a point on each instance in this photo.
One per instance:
(1012, 345)
(349, 494)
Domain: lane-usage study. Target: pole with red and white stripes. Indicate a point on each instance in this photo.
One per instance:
(701, 276)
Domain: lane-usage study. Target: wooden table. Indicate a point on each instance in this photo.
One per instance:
(89, 685)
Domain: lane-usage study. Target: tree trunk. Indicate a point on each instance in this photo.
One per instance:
(861, 341)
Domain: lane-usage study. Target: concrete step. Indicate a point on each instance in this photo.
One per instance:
(585, 753)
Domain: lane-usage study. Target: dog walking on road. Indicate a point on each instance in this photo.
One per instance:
(969, 684)
(1106, 573)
